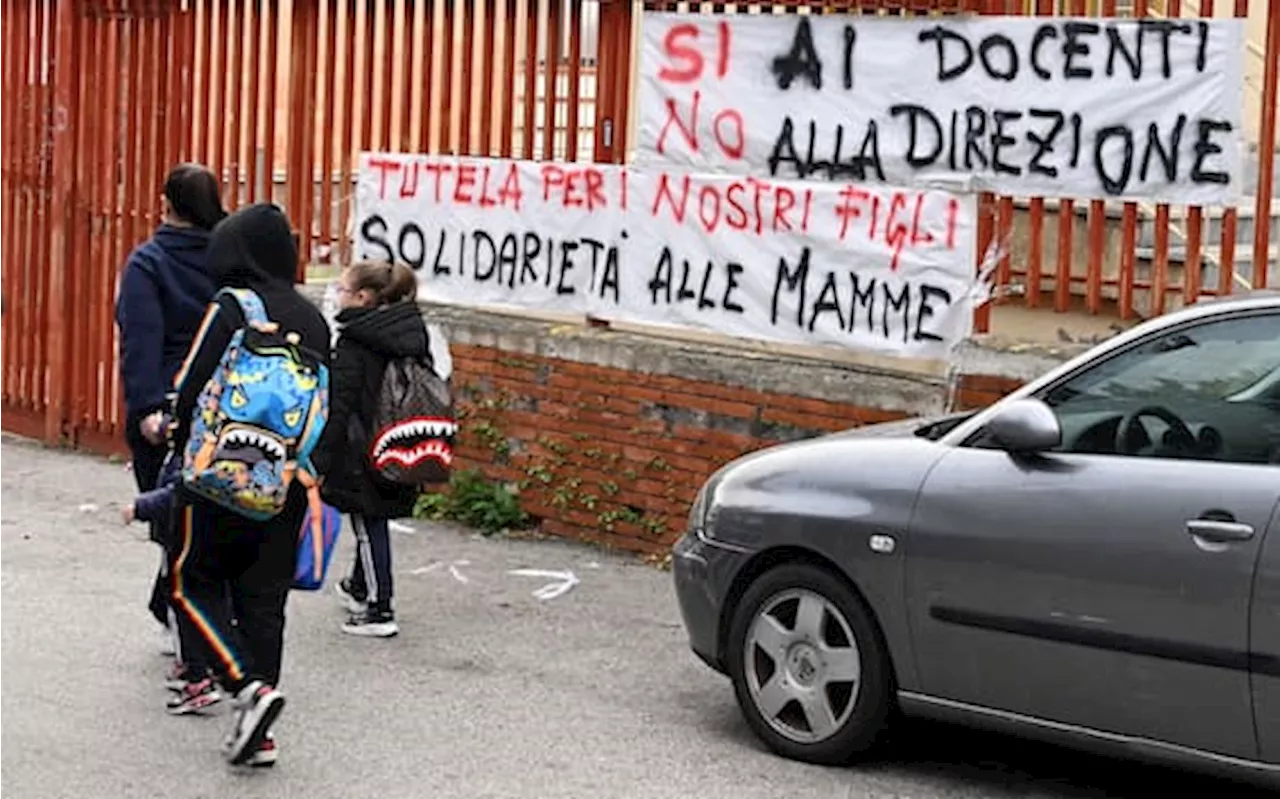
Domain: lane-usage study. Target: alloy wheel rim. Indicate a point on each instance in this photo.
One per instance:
(802, 665)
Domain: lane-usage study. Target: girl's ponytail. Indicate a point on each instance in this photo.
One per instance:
(389, 282)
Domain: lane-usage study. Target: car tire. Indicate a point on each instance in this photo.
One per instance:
(809, 668)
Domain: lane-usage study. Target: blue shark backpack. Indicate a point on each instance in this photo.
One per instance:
(258, 418)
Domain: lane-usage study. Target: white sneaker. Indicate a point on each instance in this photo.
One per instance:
(259, 705)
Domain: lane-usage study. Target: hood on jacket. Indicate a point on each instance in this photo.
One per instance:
(393, 331)
(185, 246)
(252, 247)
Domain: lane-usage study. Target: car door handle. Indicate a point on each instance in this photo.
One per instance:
(1212, 530)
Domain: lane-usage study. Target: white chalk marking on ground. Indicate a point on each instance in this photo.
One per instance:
(564, 581)
(400, 527)
(457, 575)
(430, 567)
(88, 507)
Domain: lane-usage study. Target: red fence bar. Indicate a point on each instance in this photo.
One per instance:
(550, 81)
(237, 113)
(270, 24)
(65, 87)
(13, 37)
(505, 139)
(466, 83)
(253, 100)
(446, 143)
(530, 79)
(78, 279)
(217, 120)
(489, 56)
(1266, 153)
(346, 142)
(327, 114)
(575, 80)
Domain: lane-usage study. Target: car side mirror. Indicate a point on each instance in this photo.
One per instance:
(1024, 426)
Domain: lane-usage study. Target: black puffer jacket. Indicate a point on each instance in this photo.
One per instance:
(369, 337)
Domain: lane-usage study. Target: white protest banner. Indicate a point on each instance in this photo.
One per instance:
(836, 264)
(491, 232)
(1147, 109)
(858, 266)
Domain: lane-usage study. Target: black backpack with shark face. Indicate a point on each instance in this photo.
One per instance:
(414, 425)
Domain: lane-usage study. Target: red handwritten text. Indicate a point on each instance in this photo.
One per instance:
(748, 204)
(727, 127)
(680, 45)
(899, 225)
(484, 185)
(574, 186)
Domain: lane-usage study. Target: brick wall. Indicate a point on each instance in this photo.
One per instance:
(609, 435)
(979, 391)
(614, 456)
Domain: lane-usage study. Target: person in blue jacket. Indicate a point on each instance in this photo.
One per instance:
(164, 290)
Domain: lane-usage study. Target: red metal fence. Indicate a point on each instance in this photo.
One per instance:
(100, 97)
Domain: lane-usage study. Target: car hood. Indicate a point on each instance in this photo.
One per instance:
(870, 473)
(929, 427)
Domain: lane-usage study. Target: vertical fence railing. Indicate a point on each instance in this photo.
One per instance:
(100, 97)
(512, 78)
(33, 53)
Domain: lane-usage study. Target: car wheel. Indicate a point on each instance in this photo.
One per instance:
(809, 665)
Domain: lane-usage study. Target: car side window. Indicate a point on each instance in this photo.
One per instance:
(1203, 392)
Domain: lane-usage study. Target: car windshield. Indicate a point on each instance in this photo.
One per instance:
(1244, 365)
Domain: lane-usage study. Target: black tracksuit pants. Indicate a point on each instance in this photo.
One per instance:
(221, 549)
(371, 575)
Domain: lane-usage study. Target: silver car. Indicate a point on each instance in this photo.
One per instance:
(1094, 559)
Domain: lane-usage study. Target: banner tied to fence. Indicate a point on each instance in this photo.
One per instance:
(838, 263)
(1147, 109)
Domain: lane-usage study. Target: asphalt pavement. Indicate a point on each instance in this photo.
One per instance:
(489, 691)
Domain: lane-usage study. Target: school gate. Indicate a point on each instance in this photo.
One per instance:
(100, 97)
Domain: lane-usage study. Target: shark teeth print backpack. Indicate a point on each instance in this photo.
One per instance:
(414, 425)
(258, 418)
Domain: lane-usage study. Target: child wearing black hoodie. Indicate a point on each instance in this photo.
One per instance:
(378, 321)
(252, 249)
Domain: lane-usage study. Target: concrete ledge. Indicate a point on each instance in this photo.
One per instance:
(912, 387)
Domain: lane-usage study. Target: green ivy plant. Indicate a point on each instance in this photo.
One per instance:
(492, 507)
(488, 506)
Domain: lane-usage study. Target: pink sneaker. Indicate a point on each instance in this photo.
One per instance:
(195, 697)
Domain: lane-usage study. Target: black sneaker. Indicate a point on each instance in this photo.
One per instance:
(354, 601)
(372, 623)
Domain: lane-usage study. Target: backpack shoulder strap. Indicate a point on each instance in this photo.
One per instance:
(251, 305)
